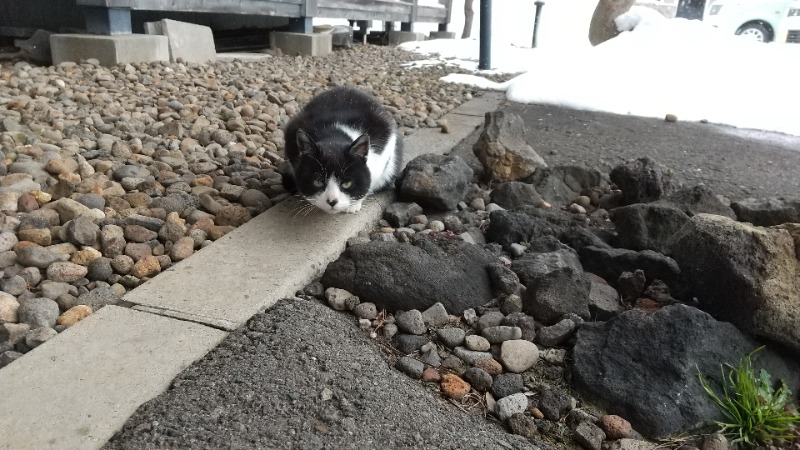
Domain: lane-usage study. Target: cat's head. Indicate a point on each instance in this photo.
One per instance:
(332, 174)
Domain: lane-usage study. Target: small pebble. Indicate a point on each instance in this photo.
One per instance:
(340, 299)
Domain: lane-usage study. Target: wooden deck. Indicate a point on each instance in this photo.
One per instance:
(406, 11)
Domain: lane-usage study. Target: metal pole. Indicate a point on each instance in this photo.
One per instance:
(539, 5)
(485, 60)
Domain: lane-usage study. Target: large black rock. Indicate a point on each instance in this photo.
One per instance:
(434, 181)
(644, 366)
(532, 267)
(610, 263)
(515, 194)
(642, 180)
(647, 226)
(414, 276)
(699, 199)
(766, 212)
(561, 184)
(527, 224)
(561, 291)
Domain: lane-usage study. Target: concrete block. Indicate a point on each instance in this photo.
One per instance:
(341, 35)
(77, 389)
(301, 43)
(190, 42)
(109, 50)
(398, 37)
(443, 35)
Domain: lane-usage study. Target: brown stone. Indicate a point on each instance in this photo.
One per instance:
(615, 427)
(203, 224)
(61, 166)
(602, 26)
(217, 232)
(491, 366)
(66, 272)
(503, 151)
(454, 387)
(27, 203)
(74, 315)
(39, 236)
(138, 233)
(233, 215)
(85, 256)
(138, 251)
(755, 274)
(183, 248)
(537, 413)
(148, 266)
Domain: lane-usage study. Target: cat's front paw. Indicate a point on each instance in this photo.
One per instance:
(356, 207)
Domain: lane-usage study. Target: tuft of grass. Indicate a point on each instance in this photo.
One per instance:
(756, 412)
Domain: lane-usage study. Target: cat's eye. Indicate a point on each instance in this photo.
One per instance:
(347, 185)
(318, 183)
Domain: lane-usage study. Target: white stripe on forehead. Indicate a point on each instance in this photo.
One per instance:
(351, 132)
(332, 191)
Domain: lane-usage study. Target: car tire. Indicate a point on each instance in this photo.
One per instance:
(756, 31)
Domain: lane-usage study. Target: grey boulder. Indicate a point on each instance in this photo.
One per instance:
(743, 274)
(644, 366)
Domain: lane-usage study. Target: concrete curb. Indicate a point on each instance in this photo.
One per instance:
(78, 389)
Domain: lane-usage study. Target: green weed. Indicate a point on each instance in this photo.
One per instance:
(756, 412)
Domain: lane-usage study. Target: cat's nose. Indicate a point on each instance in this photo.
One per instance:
(333, 202)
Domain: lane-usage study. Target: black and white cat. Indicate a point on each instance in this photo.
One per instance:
(342, 147)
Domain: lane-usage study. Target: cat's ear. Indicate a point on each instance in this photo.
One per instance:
(360, 146)
(304, 142)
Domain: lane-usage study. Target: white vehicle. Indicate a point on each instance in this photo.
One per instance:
(789, 28)
(760, 20)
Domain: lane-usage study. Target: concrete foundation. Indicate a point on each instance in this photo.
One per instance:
(109, 50)
(398, 37)
(305, 44)
(192, 43)
(443, 35)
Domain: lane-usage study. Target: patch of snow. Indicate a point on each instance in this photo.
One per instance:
(660, 66)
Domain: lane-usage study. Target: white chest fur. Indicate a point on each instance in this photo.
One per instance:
(381, 163)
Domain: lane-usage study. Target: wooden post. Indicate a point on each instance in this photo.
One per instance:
(469, 14)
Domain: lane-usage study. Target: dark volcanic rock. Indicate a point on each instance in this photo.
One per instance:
(642, 180)
(504, 280)
(699, 199)
(515, 194)
(647, 226)
(399, 214)
(610, 263)
(559, 292)
(561, 184)
(579, 238)
(743, 274)
(434, 181)
(767, 212)
(644, 366)
(403, 277)
(527, 224)
(603, 301)
(532, 267)
(555, 404)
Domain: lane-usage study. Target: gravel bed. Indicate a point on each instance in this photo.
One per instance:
(112, 174)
